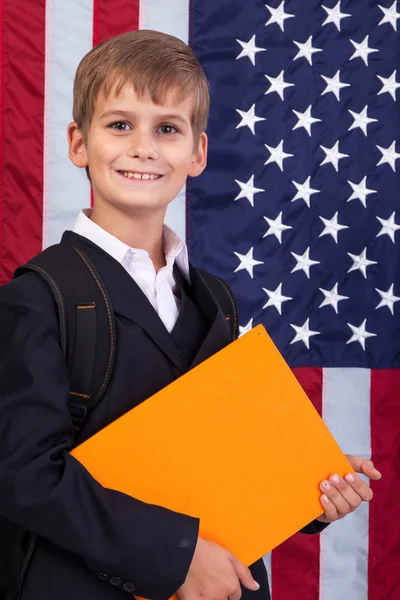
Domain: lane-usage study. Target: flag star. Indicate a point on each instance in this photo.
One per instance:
(361, 120)
(362, 50)
(248, 190)
(304, 191)
(278, 15)
(334, 85)
(360, 191)
(332, 227)
(390, 15)
(276, 227)
(334, 15)
(249, 119)
(359, 334)
(278, 85)
(305, 120)
(387, 299)
(303, 334)
(304, 262)
(333, 156)
(390, 85)
(389, 155)
(277, 155)
(247, 262)
(389, 227)
(249, 49)
(276, 298)
(332, 298)
(306, 50)
(246, 328)
(361, 262)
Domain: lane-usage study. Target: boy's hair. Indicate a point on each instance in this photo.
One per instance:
(153, 62)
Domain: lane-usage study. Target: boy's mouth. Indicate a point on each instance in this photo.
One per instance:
(140, 176)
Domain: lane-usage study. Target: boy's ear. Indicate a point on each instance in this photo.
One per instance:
(77, 149)
(199, 158)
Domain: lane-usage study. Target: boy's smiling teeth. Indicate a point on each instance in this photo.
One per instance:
(133, 175)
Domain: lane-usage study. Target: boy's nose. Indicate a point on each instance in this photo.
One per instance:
(142, 146)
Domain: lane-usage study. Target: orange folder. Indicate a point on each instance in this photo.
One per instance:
(235, 441)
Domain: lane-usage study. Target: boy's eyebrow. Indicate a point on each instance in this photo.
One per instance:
(126, 114)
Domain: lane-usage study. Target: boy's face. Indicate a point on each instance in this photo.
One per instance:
(128, 137)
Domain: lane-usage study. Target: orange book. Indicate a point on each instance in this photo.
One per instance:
(235, 441)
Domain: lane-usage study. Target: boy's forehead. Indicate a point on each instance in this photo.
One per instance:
(126, 99)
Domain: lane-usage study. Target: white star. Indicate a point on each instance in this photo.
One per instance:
(248, 190)
(362, 50)
(334, 85)
(389, 155)
(387, 299)
(360, 334)
(334, 15)
(361, 262)
(249, 49)
(276, 227)
(389, 227)
(361, 120)
(278, 85)
(333, 156)
(332, 227)
(306, 50)
(276, 298)
(304, 262)
(305, 120)
(304, 191)
(246, 328)
(332, 298)
(360, 191)
(278, 15)
(390, 15)
(247, 262)
(390, 85)
(277, 155)
(303, 334)
(249, 119)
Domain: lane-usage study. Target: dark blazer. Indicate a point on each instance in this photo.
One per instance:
(93, 542)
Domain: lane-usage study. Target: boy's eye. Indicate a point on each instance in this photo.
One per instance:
(167, 129)
(119, 126)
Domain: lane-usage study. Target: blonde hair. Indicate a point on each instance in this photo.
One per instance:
(154, 63)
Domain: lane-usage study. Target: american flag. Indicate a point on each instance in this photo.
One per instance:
(297, 210)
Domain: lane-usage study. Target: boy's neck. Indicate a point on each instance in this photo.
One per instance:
(143, 231)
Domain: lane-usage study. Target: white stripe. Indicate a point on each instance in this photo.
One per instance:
(173, 18)
(268, 565)
(69, 35)
(344, 545)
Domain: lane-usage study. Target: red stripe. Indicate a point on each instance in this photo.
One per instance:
(295, 564)
(384, 528)
(113, 18)
(24, 25)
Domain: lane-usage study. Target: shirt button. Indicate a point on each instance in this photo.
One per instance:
(135, 258)
(129, 587)
(117, 581)
(102, 576)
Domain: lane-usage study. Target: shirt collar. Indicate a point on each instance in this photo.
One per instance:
(175, 249)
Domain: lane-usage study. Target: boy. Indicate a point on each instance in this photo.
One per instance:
(140, 111)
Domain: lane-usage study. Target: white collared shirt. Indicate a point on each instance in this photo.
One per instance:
(160, 288)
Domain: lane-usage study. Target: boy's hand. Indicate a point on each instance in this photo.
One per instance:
(215, 574)
(342, 496)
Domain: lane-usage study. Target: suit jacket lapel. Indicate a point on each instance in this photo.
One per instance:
(218, 335)
(126, 296)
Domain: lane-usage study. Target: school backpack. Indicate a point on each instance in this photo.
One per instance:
(87, 331)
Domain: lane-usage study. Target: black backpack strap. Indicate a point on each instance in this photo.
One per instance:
(86, 323)
(225, 298)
